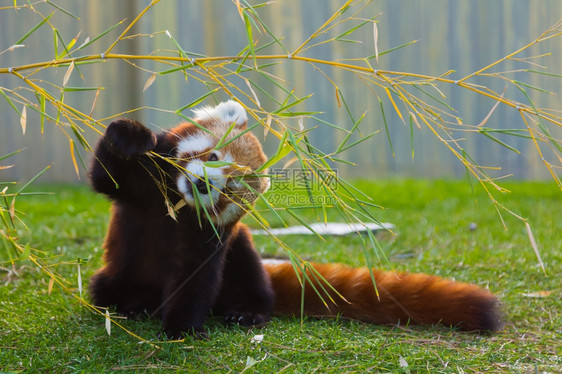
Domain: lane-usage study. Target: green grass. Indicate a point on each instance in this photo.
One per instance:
(54, 333)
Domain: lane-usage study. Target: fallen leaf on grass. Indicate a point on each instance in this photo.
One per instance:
(50, 287)
(257, 339)
(538, 294)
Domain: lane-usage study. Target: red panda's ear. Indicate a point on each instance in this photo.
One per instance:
(228, 111)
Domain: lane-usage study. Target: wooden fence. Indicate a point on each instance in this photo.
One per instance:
(451, 35)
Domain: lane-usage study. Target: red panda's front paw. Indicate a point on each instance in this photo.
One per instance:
(129, 139)
(246, 318)
(178, 334)
(135, 314)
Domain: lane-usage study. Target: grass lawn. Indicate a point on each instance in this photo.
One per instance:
(52, 332)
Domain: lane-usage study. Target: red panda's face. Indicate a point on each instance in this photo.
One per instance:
(219, 178)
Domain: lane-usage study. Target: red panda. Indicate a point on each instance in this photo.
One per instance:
(180, 267)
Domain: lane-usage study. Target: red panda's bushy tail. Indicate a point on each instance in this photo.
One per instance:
(403, 297)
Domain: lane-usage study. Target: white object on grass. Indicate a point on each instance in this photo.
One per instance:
(329, 228)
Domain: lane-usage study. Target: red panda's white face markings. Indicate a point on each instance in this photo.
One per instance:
(221, 179)
(209, 182)
(197, 143)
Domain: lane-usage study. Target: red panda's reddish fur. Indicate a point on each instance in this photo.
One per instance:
(402, 297)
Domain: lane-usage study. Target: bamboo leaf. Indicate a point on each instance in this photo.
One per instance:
(534, 245)
(26, 252)
(358, 142)
(544, 130)
(392, 49)
(521, 133)
(267, 125)
(32, 180)
(239, 7)
(350, 132)
(12, 210)
(346, 106)
(178, 68)
(544, 73)
(394, 104)
(241, 64)
(178, 46)
(228, 131)
(376, 40)
(9, 101)
(197, 101)
(42, 109)
(272, 209)
(72, 42)
(76, 130)
(82, 162)
(77, 89)
(280, 86)
(23, 119)
(67, 74)
(206, 211)
(250, 37)
(74, 158)
(335, 127)
(66, 49)
(297, 114)
(303, 222)
(253, 92)
(533, 87)
(294, 145)
(468, 176)
(290, 105)
(180, 205)
(434, 98)
(86, 41)
(197, 203)
(61, 9)
(251, 8)
(217, 164)
(85, 44)
(149, 82)
(237, 136)
(172, 209)
(282, 150)
(486, 134)
(386, 128)
(55, 43)
(208, 185)
(321, 281)
(381, 256)
(20, 41)
(415, 119)
(11, 154)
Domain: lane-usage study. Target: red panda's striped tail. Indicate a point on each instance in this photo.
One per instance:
(402, 297)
